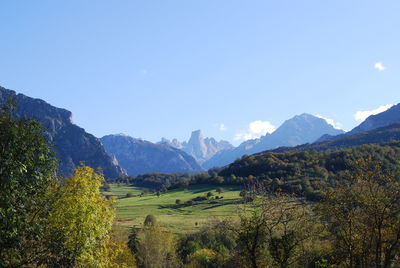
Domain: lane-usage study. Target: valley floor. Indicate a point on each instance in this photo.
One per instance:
(183, 218)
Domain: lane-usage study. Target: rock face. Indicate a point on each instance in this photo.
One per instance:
(304, 128)
(138, 156)
(174, 143)
(199, 147)
(202, 148)
(72, 144)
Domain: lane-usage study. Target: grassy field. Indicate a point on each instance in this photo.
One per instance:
(180, 218)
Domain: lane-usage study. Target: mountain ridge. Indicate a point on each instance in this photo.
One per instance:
(303, 128)
(139, 156)
(72, 144)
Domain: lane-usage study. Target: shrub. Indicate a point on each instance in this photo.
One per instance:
(150, 220)
(200, 198)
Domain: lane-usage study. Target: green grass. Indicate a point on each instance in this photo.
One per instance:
(120, 190)
(180, 218)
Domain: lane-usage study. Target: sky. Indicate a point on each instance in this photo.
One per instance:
(234, 69)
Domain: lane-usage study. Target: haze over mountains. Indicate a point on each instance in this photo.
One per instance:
(119, 155)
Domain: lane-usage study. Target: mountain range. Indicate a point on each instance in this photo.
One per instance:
(138, 156)
(376, 129)
(119, 155)
(300, 129)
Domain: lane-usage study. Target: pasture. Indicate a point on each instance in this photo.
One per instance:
(180, 218)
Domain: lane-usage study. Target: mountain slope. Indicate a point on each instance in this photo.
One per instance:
(139, 156)
(385, 118)
(72, 144)
(380, 135)
(304, 128)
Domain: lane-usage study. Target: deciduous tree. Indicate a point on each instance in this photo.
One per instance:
(27, 170)
(80, 221)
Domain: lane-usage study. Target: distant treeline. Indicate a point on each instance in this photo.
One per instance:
(305, 173)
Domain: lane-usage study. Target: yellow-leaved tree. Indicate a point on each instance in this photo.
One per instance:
(80, 222)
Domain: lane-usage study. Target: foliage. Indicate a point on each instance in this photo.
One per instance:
(117, 254)
(363, 214)
(275, 229)
(133, 240)
(157, 247)
(217, 239)
(304, 173)
(80, 220)
(150, 220)
(27, 169)
(307, 173)
(204, 257)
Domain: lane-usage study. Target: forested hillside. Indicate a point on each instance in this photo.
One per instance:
(305, 173)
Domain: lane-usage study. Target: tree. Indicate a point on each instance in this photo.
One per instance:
(118, 255)
(209, 194)
(133, 240)
(150, 220)
(80, 221)
(216, 237)
(252, 241)
(363, 214)
(27, 170)
(204, 257)
(219, 190)
(157, 247)
(243, 193)
(274, 229)
(178, 202)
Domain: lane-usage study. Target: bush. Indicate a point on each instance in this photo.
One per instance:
(189, 203)
(200, 198)
(150, 220)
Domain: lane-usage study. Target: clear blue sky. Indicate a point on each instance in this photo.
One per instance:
(164, 68)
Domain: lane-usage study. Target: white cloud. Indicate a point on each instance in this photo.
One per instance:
(379, 66)
(331, 122)
(362, 115)
(256, 129)
(222, 127)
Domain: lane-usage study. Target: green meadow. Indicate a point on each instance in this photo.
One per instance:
(182, 218)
